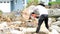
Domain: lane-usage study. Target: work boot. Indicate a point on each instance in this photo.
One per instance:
(50, 30)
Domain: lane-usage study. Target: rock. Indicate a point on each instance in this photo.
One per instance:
(49, 21)
(58, 19)
(16, 32)
(54, 32)
(55, 27)
(3, 24)
(56, 23)
(53, 12)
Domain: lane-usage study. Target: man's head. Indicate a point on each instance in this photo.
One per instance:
(42, 4)
(34, 15)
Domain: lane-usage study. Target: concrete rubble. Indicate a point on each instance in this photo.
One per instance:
(22, 25)
(5, 29)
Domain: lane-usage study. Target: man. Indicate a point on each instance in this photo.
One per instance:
(43, 16)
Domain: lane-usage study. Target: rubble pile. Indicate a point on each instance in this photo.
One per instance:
(11, 24)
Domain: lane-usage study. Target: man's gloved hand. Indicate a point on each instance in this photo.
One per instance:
(29, 17)
(37, 17)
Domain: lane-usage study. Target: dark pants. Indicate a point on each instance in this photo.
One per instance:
(42, 18)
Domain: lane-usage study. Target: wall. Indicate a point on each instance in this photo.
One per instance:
(53, 0)
(5, 7)
(18, 5)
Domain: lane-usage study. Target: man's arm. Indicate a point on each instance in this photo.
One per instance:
(31, 14)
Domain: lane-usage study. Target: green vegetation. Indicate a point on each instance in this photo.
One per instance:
(51, 3)
(36, 2)
(58, 0)
(32, 1)
(1, 12)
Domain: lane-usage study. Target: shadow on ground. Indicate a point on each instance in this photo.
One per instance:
(34, 33)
